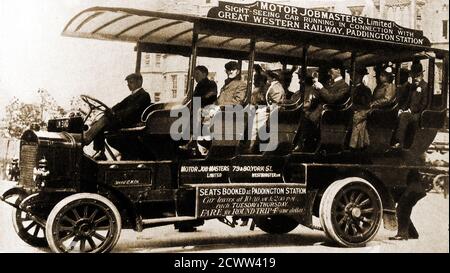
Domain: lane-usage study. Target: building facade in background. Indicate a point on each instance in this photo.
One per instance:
(165, 76)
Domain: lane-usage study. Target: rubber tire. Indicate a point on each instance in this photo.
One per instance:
(325, 211)
(276, 224)
(75, 197)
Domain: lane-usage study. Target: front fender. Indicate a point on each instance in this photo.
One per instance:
(13, 191)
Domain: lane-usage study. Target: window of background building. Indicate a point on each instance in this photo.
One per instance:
(419, 19)
(157, 96)
(147, 59)
(174, 86)
(445, 29)
(208, 1)
(158, 60)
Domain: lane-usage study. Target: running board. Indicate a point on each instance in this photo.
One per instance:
(165, 221)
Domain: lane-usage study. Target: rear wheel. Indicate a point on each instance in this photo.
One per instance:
(276, 224)
(83, 222)
(26, 228)
(351, 212)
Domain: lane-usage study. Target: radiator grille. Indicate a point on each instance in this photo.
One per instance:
(28, 155)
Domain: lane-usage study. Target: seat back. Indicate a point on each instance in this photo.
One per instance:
(381, 125)
(289, 118)
(228, 130)
(335, 126)
(433, 119)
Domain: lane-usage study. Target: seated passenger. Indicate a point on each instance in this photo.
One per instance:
(336, 92)
(124, 114)
(296, 96)
(308, 132)
(403, 86)
(260, 87)
(275, 95)
(234, 89)
(285, 78)
(384, 93)
(206, 91)
(361, 98)
(383, 96)
(416, 103)
(362, 95)
(233, 92)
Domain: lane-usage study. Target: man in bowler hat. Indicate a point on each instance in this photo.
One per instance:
(416, 103)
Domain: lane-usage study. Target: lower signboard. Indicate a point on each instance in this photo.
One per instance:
(250, 200)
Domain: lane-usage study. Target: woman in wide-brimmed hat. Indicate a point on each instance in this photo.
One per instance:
(383, 96)
(384, 93)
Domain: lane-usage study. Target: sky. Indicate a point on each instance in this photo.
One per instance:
(34, 55)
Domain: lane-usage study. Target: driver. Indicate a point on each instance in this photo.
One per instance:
(125, 114)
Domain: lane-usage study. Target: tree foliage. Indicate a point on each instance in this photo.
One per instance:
(19, 116)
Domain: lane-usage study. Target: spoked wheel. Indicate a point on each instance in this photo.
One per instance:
(276, 224)
(26, 228)
(351, 212)
(83, 222)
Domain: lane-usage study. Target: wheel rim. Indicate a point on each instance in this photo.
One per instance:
(28, 229)
(356, 213)
(84, 226)
(28, 226)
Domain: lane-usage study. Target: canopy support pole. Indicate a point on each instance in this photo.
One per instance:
(444, 101)
(303, 72)
(190, 76)
(431, 64)
(397, 74)
(192, 65)
(138, 57)
(352, 73)
(251, 62)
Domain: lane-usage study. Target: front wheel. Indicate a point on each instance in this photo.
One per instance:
(351, 212)
(83, 222)
(26, 228)
(276, 224)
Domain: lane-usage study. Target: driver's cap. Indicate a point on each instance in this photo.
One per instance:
(134, 76)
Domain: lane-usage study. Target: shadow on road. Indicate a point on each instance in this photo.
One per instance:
(204, 242)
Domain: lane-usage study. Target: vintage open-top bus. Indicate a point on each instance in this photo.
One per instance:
(78, 204)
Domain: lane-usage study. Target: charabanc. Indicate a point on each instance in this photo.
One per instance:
(67, 200)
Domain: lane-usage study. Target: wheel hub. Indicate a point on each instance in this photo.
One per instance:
(353, 211)
(356, 212)
(83, 228)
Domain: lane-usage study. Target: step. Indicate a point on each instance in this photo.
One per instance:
(167, 220)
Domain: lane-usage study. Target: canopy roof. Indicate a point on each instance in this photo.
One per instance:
(172, 33)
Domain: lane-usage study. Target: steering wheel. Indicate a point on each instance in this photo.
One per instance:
(95, 104)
